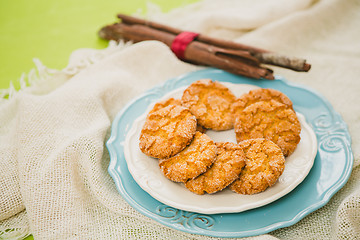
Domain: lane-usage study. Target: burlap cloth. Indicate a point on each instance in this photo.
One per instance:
(54, 181)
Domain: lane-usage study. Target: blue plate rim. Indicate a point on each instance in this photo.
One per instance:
(326, 197)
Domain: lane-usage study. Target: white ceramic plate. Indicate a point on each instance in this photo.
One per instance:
(146, 172)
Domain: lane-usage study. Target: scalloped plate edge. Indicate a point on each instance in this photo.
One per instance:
(299, 216)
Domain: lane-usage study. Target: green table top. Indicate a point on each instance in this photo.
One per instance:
(51, 30)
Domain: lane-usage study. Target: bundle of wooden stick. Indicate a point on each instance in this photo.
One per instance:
(203, 50)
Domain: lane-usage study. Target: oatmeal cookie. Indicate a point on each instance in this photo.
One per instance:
(167, 131)
(260, 94)
(264, 165)
(211, 103)
(271, 120)
(229, 161)
(173, 101)
(192, 161)
(165, 103)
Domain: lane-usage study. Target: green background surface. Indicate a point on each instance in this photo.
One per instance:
(51, 30)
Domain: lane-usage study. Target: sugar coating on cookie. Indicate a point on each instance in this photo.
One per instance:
(165, 103)
(264, 165)
(210, 101)
(192, 161)
(173, 101)
(167, 131)
(271, 120)
(257, 95)
(229, 162)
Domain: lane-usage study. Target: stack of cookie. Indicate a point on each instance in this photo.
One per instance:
(266, 126)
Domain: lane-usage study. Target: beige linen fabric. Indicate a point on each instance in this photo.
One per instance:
(54, 181)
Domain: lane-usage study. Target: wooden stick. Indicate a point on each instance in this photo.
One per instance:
(196, 52)
(264, 56)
